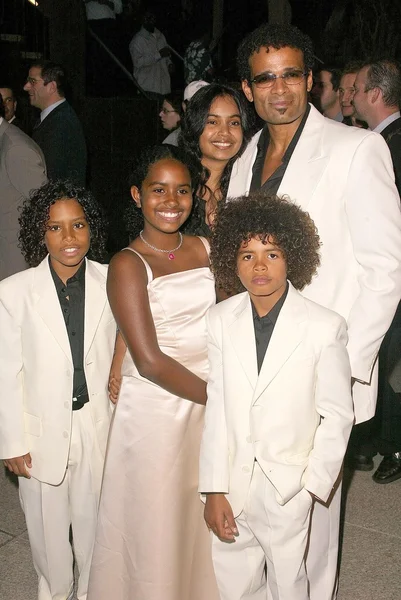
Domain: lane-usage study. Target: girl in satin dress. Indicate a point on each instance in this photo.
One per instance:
(152, 542)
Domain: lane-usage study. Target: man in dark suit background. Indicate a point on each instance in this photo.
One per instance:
(59, 133)
(22, 169)
(377, 101)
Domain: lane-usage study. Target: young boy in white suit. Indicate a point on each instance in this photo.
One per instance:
(56, 347)
(279, 410)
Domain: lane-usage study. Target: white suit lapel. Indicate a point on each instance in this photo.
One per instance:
(95, 301)
(287, 335)
(308, 162)
(242, 335)
(48, 305)
(241, 174)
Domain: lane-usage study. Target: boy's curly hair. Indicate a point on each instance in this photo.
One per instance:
(274, 36)
(35, 214)
(264, 217)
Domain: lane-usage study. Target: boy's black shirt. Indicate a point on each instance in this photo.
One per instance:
(264, 327)
(74, 316)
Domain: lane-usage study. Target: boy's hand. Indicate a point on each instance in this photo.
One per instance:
(219, 517)
(18, 465)
(114, 387)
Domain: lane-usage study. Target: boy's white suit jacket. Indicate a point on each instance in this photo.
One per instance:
(343, 176)
(36, 369)
(294, 418)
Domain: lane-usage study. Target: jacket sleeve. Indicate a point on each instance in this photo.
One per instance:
(213, 467)
(25, 168)
(373, 212)
(334, 405)
(12, 436)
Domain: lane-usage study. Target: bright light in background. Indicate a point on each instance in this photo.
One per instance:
(33, 2)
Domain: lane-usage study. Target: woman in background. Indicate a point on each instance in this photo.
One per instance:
(170, 116)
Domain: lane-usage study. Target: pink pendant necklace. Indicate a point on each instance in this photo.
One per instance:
(170, 253)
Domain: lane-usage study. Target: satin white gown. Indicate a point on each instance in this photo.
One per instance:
(152, 542)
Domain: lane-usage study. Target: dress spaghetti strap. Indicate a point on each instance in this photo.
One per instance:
(205, 242)
(147, 266)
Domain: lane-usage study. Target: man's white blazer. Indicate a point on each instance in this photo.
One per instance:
(36, 369)
(295, 417)
(343, 176)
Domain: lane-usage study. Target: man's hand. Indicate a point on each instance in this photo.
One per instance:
(19, 464)
(219, 517)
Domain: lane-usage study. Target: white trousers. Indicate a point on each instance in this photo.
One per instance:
(51, 510)
(269, 534)
(322, 557)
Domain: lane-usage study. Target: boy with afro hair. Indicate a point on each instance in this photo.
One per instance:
(279, 410)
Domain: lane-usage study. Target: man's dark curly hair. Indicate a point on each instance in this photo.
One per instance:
(148, 157)
(35, 215)
(268, 218)
(274, 36)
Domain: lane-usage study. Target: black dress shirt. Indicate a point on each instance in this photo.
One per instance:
(264, 327)
(272, 184)
(72, 303)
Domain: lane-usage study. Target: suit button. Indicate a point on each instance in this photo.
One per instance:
(246, 469)
(249, 439)
(65, 434)
(66, 405)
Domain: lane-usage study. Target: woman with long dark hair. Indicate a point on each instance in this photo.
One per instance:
(215, 130)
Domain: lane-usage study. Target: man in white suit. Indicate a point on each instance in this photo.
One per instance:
(22, 169)
(56, 346)
(344, 178)
(279, 408)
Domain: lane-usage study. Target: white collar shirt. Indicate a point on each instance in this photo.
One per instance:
(46, 112)
(381, 126)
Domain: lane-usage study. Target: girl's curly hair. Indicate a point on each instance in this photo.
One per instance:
(148, 157)
(35, 215)
(264, 217)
